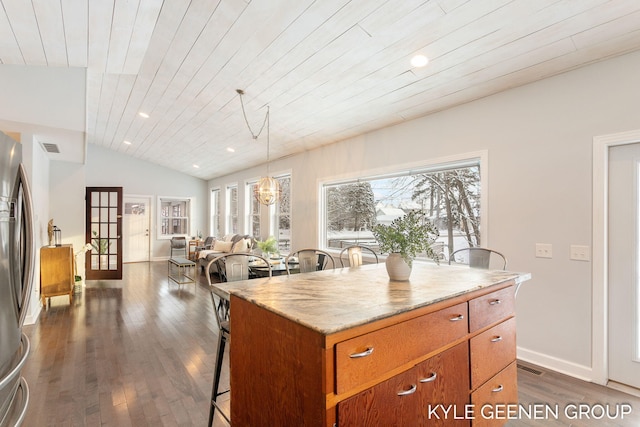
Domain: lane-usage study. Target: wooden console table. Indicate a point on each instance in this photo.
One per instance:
(56, 272)
(348, 347)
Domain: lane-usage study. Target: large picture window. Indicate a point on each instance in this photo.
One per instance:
(448, 194)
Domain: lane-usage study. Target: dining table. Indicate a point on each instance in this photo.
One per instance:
(258, 268)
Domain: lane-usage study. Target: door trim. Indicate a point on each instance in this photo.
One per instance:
(600, 238)
(151, 207)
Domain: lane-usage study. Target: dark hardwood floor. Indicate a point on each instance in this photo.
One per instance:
(136, 352)
(141, 352)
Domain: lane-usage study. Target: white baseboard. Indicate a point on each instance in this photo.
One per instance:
(32, 318)
(572, 369)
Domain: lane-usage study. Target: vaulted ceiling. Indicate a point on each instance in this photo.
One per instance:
(327, 69)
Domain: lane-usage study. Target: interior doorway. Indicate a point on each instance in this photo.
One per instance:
(623, 263)
(104, 232)
(136, 229)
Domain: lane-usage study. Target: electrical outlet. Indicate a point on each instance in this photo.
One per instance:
(544, 250)
(580, 253)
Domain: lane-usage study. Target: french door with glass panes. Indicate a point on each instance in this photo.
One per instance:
(103, 232)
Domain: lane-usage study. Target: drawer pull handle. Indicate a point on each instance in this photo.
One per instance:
(365, 353)
(498, 389)
(429, 379)
(456, 318)
(497, 338)
(495, 302)
(408, 392)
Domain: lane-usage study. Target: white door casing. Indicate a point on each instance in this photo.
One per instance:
(601, 144)
(136, 228)
(624, 360)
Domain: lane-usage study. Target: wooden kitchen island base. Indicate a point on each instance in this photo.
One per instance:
(349, 348)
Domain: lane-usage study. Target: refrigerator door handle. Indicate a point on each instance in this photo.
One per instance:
(15, 372)
(23, 244)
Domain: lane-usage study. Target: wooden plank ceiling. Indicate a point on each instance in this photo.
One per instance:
(328, 69)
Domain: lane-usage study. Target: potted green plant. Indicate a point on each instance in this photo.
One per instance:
(268, 246)
(403, 240)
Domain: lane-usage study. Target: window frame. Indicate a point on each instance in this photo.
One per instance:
(250, 202)
(432, 165)
(274, 215)
(215, 213)
(229, 215)
(190, 208)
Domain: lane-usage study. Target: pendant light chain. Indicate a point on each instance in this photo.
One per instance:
(244, 114)
(267, 190)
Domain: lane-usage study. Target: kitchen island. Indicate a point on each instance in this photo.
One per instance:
(348, 347)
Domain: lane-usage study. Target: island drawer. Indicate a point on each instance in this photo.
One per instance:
(489, 401)
(369, 356)
(492, 351)
(404, 399)
(491, 308)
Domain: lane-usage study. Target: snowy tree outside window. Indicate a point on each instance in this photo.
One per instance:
(449, 196)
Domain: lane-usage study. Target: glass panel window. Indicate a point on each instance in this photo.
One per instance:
(175, 216)
(232, 209)
(214, 226)
(282, 215)
(448, 194)
(253, 210)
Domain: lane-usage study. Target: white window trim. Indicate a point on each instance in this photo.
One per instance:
(273, 216)
(212, 231)
(481, 156)
(248, 199)
(159, 199)
(227, 207)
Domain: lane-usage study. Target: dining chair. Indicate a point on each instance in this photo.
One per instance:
(231, 268)
(310, 260)
(354, 255)
(479, 258)
(179, 244)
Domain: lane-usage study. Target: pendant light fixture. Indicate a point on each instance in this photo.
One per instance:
(267, 190)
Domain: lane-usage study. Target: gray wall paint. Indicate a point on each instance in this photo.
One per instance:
(539, 141)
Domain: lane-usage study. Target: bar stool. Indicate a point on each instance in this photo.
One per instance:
(231, 268)
(354, 255)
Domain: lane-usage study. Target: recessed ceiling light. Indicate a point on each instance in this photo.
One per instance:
(126, 142)
(419, 61)
(231, 149)
(143, 114)
(196, 166)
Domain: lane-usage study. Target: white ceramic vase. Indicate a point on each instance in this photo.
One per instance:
(397, 267)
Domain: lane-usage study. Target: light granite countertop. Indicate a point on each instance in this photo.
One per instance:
(334, 300)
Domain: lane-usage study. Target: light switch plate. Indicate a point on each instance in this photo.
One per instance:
(580, 253)
(544, 250)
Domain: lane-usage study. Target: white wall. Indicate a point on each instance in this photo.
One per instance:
(66, 194)
(110, 168)
(539, 141)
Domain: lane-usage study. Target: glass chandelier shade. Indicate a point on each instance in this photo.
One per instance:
(267, 191)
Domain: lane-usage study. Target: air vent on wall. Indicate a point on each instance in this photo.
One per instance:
(50, 148)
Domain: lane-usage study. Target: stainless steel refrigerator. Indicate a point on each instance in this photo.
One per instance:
(16, 277)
